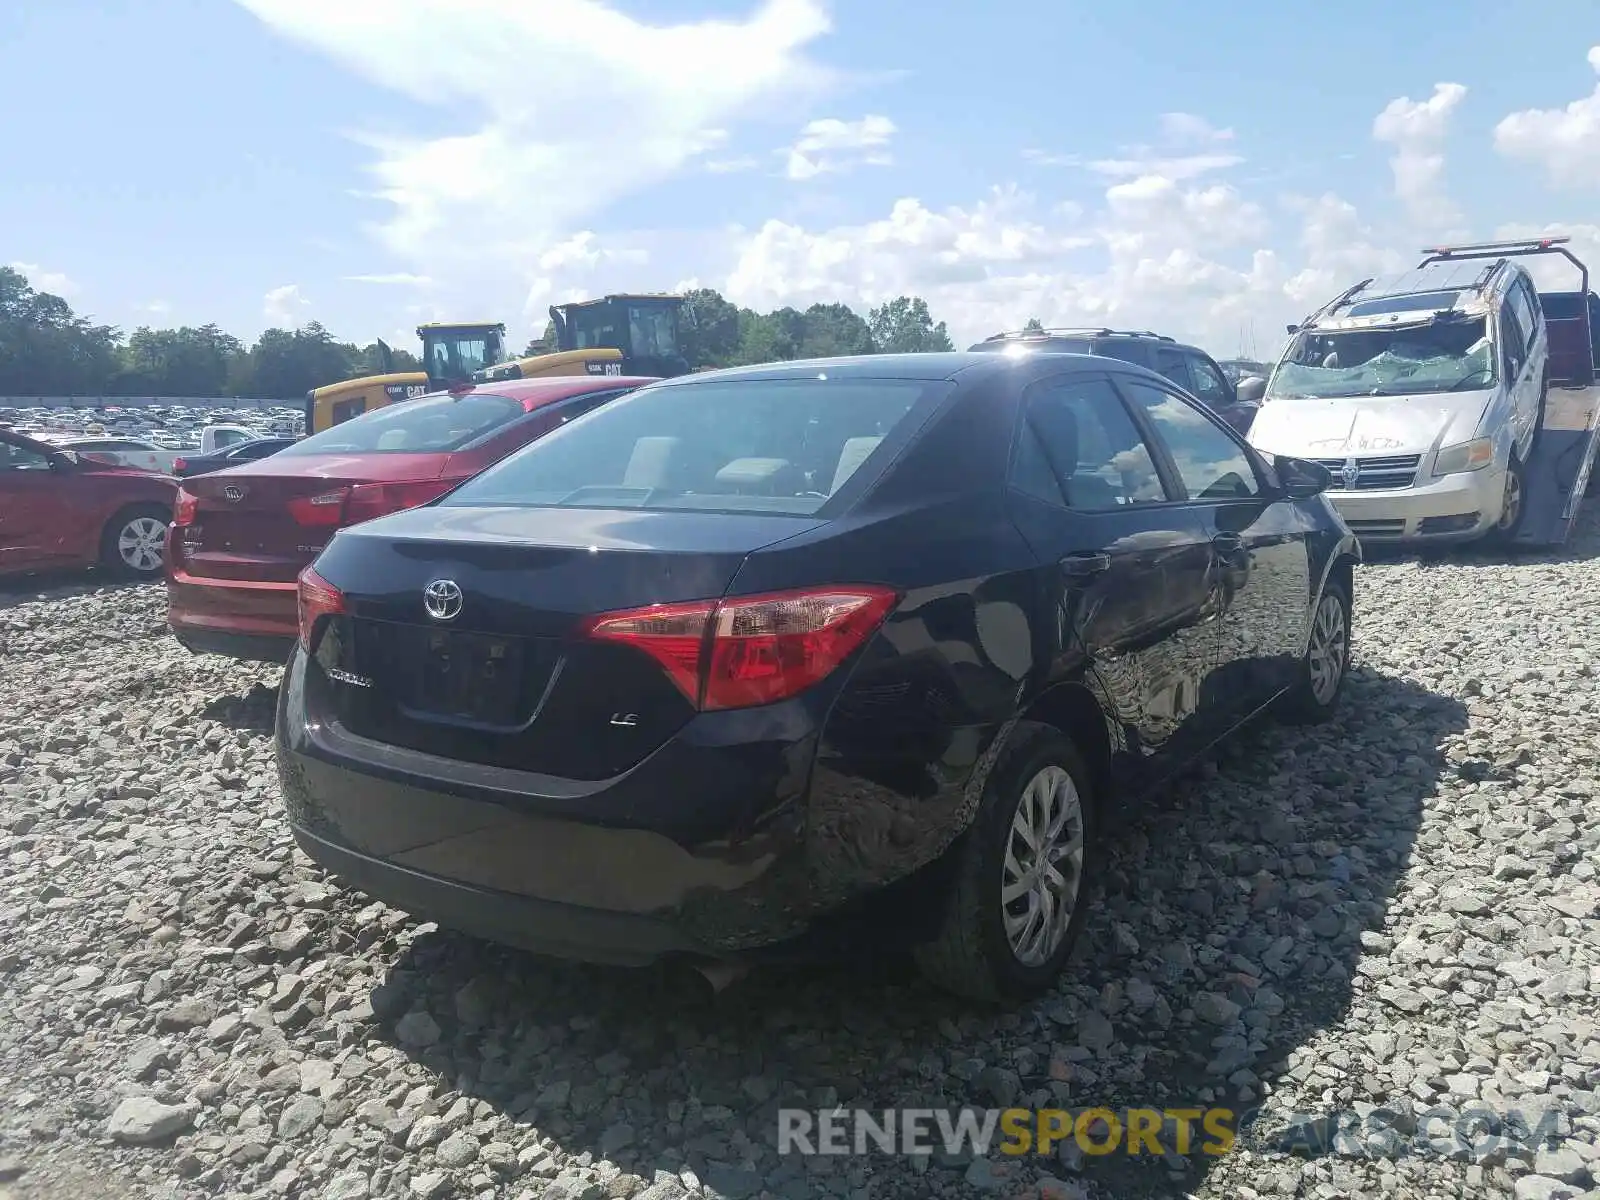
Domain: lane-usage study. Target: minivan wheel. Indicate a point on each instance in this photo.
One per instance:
(1326, 662)
(134, 541)
(1512, 502)
(1022, 874)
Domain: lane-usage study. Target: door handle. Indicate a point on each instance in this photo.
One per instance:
(1085, 565)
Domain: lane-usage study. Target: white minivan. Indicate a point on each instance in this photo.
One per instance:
(1422, 394)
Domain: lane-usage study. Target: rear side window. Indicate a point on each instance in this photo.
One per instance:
(1172, 364)
(757, 446)
(1079, 444)
(431, 425)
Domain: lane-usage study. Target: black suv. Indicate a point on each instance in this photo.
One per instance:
(1192, 369)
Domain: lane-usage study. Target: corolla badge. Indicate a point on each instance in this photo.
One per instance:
(442, 599)
(234, 493)
(1350, 472)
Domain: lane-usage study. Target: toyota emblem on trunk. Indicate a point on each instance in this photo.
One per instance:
(442, 599)
(234, 493)
(1350, 472)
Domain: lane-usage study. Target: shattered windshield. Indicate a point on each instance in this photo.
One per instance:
(1439, 356)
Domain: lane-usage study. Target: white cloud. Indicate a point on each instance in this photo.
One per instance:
(731, 166)
(829, 145)
(1189, 146)
(1564, 141)
(393, 279)
(56, 283)
(154, 308)
(1416, 129)
(1186, 127)
(1551, 272)
(577, 106)
(1185, 259)
(284, 306)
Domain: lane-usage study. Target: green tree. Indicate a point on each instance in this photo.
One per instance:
(711, 329)
(176, 362)
(832, 330)
(545, 343)
(762, 338)
(286, 364)
(368, 360)
(904, 326)
(45, 347)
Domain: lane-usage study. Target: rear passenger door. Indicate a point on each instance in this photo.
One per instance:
(1126, 568)
(1260, 556)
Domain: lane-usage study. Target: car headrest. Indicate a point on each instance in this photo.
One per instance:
(854, 454)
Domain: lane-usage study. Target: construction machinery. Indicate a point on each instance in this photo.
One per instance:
(633, 334)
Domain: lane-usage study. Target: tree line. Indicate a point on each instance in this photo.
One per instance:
(46, 349)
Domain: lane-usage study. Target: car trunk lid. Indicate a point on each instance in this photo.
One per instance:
(503, 677)
(267, 521)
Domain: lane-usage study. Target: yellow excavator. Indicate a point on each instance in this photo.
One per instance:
(625, 334)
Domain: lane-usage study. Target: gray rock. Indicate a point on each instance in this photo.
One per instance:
(1095, 1032)
(1540, 1187)
(299, 1117)
(143, 1120)
(1216, 1009)
(457, 1150)
(348, 1185)
(417, 1030)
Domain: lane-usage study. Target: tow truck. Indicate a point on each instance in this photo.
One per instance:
(1560, 471)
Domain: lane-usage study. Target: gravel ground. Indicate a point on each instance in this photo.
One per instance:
(1396, 910)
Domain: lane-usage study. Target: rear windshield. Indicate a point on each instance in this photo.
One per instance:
(432, 424)
(750, 446)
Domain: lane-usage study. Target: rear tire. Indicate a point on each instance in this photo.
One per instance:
(1019, 899)
(133, 542)
(1326, 662)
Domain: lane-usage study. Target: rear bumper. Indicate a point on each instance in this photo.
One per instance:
(542, 926)
(243, 619)
(733, 840)
(1456, 507)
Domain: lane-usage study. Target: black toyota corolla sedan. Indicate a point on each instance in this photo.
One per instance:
(797, 659)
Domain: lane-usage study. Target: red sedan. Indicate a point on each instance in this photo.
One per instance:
(59, 509)
(240, 537)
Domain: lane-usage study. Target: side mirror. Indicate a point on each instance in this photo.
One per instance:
(1251, 389)
(1291, 328)
(1301, 479)
(63, 460)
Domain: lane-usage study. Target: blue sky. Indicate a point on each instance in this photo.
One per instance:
(1148, 165)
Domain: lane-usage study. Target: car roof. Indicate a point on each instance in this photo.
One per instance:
(28, 443)
(535, 393)
(929, 366)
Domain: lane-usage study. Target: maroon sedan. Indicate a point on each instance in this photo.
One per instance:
(240, 537)
(59, 509)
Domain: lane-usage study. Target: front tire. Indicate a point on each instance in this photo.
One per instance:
(1022, 874)
(133, 543)
(1514, 502)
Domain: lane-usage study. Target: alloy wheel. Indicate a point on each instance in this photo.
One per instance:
(1328, 649)
(139, 544)
(1042, 870)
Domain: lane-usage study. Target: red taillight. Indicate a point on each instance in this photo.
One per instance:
(185, 508)
(317, 598)
(325, 509)
(750, 650)
(368, 501)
